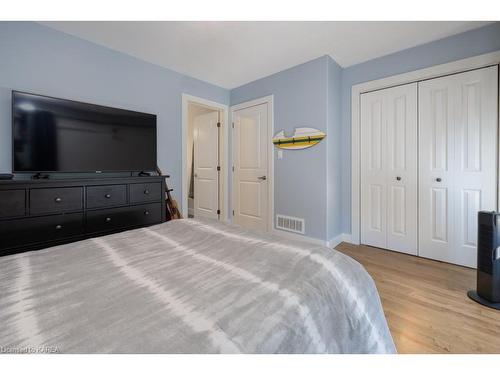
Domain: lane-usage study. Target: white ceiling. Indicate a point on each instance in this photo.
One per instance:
(230, 54)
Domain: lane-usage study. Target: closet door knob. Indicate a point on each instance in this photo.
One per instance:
(58, 227)
(146, 191)
(58, 200)
(398, 178)
(438, 179)
(107, 196)
(108, 219)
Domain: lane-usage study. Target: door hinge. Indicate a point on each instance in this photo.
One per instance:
(218, 124)
(218, 212)
(233, 125)
(233, 212)
(233, 168)
(218, 167)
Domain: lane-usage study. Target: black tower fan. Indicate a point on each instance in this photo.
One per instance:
(488, 260)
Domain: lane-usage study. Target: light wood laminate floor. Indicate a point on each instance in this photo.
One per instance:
(426, 304)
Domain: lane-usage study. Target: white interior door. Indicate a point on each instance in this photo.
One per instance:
(458, 162)
(206, 161)
(389, 168)
(250, 161)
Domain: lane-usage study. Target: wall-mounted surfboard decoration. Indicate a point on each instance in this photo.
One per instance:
(302, 138)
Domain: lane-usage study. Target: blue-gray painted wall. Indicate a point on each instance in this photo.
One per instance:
(300, 100)
(38, 59)
(334, 156)
(456, 47)
(312, 183)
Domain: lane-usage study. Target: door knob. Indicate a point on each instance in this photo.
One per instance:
(196, 175)
(108, 196)
(398, 178)
(262, 178)
(58, 200)
(438, 179)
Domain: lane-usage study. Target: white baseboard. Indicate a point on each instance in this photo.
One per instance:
(347, 238)
(298, 237)
(343, 237)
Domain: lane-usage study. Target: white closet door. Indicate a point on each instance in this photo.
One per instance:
(402, 168)
(476, 157)
(389, 168)
(373, 169)
(436, 158)
(458, 162)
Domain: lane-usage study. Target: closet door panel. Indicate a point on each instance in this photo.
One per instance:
(458, 162)
(389, 168)
(475, 157)
(402, 168)
(373, 170)
(436, 156)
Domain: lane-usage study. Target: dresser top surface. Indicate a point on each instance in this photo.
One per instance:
(61, 182)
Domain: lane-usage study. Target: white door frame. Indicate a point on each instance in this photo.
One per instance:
(458, 66)
(269, 100)
(190, 99)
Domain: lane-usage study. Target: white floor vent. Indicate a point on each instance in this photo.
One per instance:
(290, 224)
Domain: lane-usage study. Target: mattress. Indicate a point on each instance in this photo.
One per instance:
(189, 286)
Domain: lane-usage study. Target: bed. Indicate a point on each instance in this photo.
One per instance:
(189, 286)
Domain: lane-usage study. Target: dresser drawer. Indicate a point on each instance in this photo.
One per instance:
(56, 200)
(117, 218)
(148, 192)
(12, 203)
(106, 196)
(19, 232)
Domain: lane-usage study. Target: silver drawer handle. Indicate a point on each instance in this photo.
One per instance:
(146, 191)
(108, 219)
(107, 196)
(58, 226)
(146, 213)
(58, 200)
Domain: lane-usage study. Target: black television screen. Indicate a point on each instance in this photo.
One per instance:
(58, 135)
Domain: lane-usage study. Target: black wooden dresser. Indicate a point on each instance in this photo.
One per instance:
(42, 213)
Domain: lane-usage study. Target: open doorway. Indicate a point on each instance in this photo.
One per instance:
(204, 159)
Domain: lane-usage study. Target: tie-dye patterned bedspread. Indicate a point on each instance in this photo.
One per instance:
(189, 286)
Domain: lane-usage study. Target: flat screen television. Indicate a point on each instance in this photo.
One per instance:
(59, 135)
